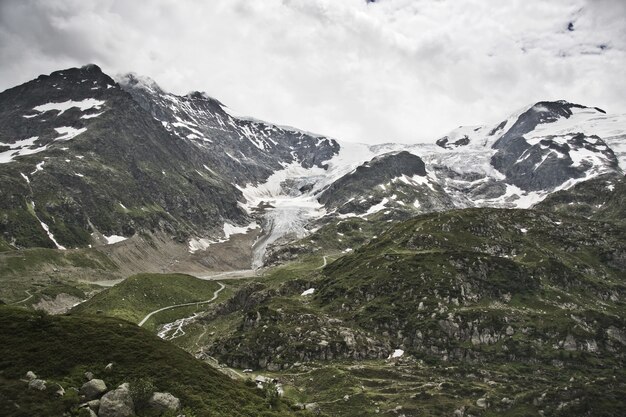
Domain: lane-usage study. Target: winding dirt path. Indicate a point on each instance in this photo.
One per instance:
(215, 295)
(324, 264)
(25, 299)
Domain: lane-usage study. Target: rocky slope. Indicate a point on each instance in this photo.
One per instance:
(470, 285)
(601, 198)
(83, 164)
(85, 160)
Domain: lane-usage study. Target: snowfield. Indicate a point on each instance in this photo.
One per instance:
(62, 107)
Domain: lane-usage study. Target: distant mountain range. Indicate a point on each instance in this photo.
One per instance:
(89, 160)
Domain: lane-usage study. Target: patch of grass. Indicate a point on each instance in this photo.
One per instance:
(138, 295)
(61, 348)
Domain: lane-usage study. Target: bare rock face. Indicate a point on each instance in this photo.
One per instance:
(117, 403)
(93, 389)
(164, 401)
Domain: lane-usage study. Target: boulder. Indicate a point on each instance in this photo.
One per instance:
(60, 391)
(88, 376)
(312, 407)
(93, 389)
(570, 343)
(117, 403)
(163, 401)
(88, 413)
(109, 367)
(30, 375)
(93, 405)
(38, 384)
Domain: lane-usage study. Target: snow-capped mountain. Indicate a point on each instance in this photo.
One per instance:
(544, 148)
(86, 160)
(243, 149)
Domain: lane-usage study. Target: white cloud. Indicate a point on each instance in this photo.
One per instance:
(394, 70)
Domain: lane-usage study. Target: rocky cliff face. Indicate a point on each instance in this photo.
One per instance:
(243, 150)
(84, 161)
(82, 157)
(533, 156)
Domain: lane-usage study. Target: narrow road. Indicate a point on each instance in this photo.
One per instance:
(25, 299)
(325, 262)
(242, 273)
(215, 294)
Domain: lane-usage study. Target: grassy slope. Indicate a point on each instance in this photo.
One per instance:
(61, 348)
(602, 198)
(138, 295)
(48, 272)
(562, 275)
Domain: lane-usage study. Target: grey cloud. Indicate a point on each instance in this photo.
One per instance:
(405, 70)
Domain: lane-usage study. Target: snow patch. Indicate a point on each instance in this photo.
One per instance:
(198, 244)
(46, 228)
(377, 207)
(68, 132)
(398, 353)
(310, 291)
(20, 148)
(114, 239)
(91, 116)
(230, 229)
(38, 167)
(61, 107)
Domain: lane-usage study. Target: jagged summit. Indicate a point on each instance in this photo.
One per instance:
(134, 80)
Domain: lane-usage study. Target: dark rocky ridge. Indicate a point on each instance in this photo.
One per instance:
(129, 172)
(547, 164)
(366, 177)
(245, 151)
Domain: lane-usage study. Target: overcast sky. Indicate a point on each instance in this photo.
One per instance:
(392, 70)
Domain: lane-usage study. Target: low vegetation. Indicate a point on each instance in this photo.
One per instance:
(60, 349)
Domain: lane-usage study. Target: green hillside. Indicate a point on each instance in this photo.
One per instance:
(138, 295)
(60, 349)
(519, 295)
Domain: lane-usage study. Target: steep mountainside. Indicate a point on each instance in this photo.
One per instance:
(451, 284)
(245, 151)
(81, 159)
(533, 156)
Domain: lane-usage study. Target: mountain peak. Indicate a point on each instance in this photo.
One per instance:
(201, 95)
(134, 80)
(91, 68)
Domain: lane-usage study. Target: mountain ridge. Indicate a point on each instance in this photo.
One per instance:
(257, 172)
